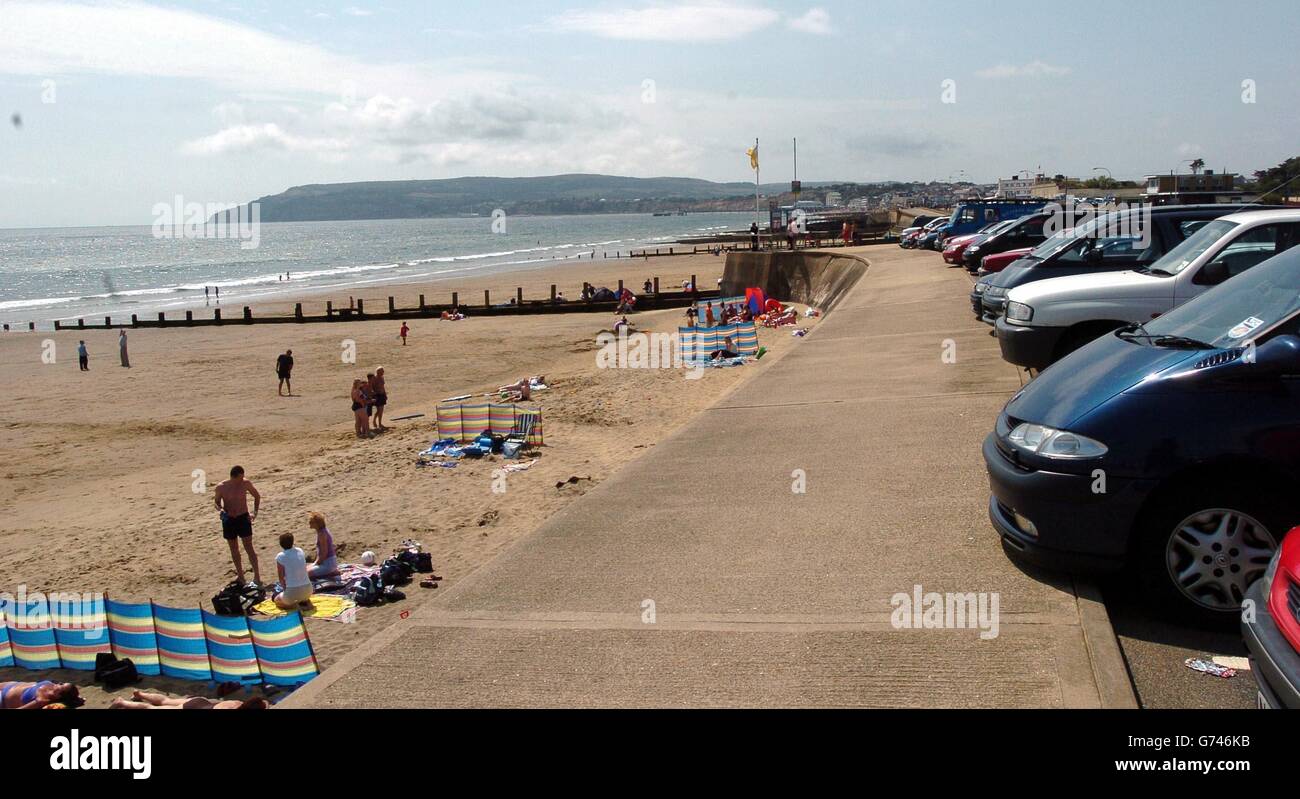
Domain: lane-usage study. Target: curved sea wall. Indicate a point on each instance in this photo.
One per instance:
(816, 278)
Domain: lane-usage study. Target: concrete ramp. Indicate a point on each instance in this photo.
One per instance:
(812, 277)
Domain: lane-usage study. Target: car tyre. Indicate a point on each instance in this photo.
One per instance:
(1201, 548)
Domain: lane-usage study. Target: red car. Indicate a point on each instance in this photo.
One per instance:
(955, 246)
(1270, 623)
(1000, 261)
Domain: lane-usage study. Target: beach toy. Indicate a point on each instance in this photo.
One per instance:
(367, 558)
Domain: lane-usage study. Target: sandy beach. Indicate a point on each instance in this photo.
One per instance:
(102, 467)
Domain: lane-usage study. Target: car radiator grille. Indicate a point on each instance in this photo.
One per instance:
(1293, 598)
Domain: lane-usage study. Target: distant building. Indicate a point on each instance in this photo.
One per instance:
(834, 199)
(1017, 188)
(1206, 187)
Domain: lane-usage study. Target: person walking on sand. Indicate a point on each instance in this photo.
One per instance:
(121, 346)
(83, 356)
(236, 522)
(284, 370)
(359, 408)
(402, 333)
(379, 395)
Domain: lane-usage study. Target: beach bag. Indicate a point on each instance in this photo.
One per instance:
(237, 599)
(510, 449)
(423, 562)
(367, 592)
(394, 572)
(114, 673)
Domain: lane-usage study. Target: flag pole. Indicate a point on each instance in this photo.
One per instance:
(757, 171)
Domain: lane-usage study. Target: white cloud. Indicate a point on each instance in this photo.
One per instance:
(1033, 69)
(268, 136)
(698, 22)
(353, 11)
(816, 21)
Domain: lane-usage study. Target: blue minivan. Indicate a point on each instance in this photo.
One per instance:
(1172, 448)
(970, 216)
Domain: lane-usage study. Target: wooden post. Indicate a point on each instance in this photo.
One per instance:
(329, 309)
(487, 299)
(297, 311)
(656, 285)
(361, 308)
(391, 306)
(135, 321)
(108, 321)
(670, 250)
(695, 287)
(6, 328)
(216, 315)
(519, 296)
(620, 288)
(248, 315)
(455, 300)
(56, 325)
(31, 326)
(162, 319)
(552, 292)
(189, 317)
(421, 302)
(81, 324)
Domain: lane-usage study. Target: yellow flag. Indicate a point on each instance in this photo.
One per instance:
(752, 152)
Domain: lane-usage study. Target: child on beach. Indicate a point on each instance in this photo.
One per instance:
(295, 585)
(402, 334)
(327, 562)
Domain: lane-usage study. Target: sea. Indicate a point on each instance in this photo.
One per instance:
(63, 274)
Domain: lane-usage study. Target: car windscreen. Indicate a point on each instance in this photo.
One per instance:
(1231, 313)
(1192, 247)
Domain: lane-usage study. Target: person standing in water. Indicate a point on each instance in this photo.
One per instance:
(121, 346)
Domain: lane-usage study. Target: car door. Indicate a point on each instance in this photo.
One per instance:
(1246, 249)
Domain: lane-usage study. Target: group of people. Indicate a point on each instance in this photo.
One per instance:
(83, 352)
(726, 314)
(294, 573)
(49, 695)
(369, 398)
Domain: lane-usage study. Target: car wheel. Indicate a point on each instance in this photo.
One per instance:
(1204, 548)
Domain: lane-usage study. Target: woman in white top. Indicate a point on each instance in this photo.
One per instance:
(294, 582)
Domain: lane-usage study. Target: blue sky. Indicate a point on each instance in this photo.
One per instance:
(127, 104)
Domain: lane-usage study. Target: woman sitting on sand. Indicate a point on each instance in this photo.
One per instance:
(359, 401)
(728, 351)
(523, 390)
(152, 700)
(39, 695)
(327, 561)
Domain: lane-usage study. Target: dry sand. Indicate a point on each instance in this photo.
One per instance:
(100, 467)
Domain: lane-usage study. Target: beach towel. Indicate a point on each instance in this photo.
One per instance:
(230, 649)
(80, 629)
(349, 575)
(519, 467)
(182, 648)
(131, 634)
(330, 607)
(31, 635)
(283, 649)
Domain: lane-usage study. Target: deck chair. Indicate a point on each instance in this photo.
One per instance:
(527, 428)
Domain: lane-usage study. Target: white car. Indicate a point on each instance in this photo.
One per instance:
(1047, 320)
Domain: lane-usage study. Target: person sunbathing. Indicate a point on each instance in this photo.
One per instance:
(152, 700)
(523, 390)
(39, 695)
(728, 351)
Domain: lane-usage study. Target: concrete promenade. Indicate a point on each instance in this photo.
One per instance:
(763, 596)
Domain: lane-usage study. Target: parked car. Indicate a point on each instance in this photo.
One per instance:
(955, 246)
(1137, 451)
(971, 215)
(1046, 320)
(992, 264)
(1270, 623)
(1027, 231)
(907, 239)
(1086, 249)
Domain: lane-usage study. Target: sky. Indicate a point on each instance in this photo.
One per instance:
(109, 108)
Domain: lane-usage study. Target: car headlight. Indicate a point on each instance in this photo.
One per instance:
(973, 250)
(1052, 443)
(1019, 312)
(995, 291)
(980, 288)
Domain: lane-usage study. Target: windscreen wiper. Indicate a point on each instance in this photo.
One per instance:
(1135, 330)
(1181, 343)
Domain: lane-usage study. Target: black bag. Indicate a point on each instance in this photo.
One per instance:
(394, 572)
(114, 673)
(367, 592)
(237, 599)
(423, 562)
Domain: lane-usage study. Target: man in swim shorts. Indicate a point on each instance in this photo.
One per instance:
(236, 522)
(284, 369)
(379, 390)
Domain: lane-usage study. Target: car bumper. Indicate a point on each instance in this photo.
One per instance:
(1274, 662)
(1031, 347)
(992, 307)
(977, 304)
(1074, 528)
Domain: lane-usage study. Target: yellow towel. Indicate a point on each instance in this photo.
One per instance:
(324, 606)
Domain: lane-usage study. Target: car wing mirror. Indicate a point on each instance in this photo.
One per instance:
(1213, 273)
(1278, 356)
